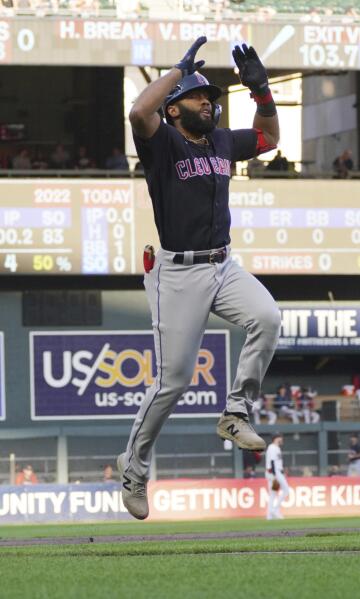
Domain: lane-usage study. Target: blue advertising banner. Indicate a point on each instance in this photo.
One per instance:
(105, 374)
(319, 328)
(2, 378)
(61, 503)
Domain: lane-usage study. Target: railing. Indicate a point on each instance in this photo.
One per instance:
(88, 468)
(44, 467)
(66, 173)
(301, 455)
(113, 174)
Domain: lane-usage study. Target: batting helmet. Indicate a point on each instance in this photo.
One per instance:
(189, 83)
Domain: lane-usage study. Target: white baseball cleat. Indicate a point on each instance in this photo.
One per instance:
(239, 431)
(133, 493)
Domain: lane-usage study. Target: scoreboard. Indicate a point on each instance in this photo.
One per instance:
(280, 43)
(100, 226)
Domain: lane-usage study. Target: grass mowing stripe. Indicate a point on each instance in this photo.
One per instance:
(338, 543)
(190, 527)
(176, 576)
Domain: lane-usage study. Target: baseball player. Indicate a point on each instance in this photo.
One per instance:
(187, 163)
(277, 484)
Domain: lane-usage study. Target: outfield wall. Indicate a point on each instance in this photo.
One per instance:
(179, 500)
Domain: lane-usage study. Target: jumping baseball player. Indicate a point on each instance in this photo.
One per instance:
(277, 484)
(187, 163)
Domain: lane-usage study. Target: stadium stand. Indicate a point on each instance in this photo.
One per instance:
(182, 9)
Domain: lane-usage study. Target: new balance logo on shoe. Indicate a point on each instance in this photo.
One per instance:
(232, 429)
(133, 493)
(240, 432)
(126, 483)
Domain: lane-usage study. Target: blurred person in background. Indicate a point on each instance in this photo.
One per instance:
(343, 164)
(22, 160)
(354, 456)
(250, 460)
(274, 472)
(305, 406)
(39, 161)
(126, 9)
(117, 161)
(279, 163)
(334, 470)
(255, 168)
(108, 474)
(83, 160)
(260, 408)
(284, 405)
(60, 158)
(27, 476)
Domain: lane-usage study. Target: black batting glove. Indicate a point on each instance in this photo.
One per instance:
(187, 65)
(252, 72)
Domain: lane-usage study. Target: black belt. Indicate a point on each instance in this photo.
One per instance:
(211, 257)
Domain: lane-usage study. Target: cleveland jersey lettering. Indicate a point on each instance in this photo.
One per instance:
(197, 167)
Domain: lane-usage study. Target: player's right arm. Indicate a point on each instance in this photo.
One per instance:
(144, 117)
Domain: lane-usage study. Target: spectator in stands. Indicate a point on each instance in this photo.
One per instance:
(27, 476)
(117, 161)
(305, 406)
(60, 158)
(108, 475)
(284, 405)
(249, 472)
(83, 160)
(311, 16)
(306, 471)
(334, 470)
(343, 164)
(22, 160)
(279, 163)
(260, 408)
(354, 456)
(265, 13)
(250, 461)
(126, 9)
(255, 168)
(39, 161)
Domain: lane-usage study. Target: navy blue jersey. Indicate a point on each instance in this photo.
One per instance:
(189, 184)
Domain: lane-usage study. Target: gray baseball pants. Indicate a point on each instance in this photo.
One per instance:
(181, 297)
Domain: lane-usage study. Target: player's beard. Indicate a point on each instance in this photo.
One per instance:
(192, 122)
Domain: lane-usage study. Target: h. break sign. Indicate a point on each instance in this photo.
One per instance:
(92, 375)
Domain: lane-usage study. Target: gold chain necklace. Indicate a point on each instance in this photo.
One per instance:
(202, 141)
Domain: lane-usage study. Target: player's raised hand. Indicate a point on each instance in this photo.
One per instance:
(187, 65)
(252, 72)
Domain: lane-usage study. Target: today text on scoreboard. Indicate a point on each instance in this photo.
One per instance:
(99, 227)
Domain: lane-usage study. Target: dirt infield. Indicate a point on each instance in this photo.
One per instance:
(309, 532)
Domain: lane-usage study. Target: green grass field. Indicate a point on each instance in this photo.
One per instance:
(321, 564)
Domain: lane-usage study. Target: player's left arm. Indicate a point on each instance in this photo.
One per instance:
(252, 74)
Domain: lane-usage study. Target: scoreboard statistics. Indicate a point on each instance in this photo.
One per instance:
(290, 43)
(100, 226)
